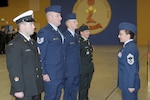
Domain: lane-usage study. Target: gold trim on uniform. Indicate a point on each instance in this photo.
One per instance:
(10, 44)
(25, 40)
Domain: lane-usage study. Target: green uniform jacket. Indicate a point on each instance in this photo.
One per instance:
(86, 53)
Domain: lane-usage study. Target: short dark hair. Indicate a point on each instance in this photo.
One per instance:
(132, 35)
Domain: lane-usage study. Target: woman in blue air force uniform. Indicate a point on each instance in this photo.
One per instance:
(128, 62)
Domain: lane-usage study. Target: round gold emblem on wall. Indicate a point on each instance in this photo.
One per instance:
(94, 13)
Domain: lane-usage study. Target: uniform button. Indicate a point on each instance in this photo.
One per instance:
(16, 79)
(37, 76)
(37, 69)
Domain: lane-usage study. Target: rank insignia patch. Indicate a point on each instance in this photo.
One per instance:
(130, 59)
(40, 40)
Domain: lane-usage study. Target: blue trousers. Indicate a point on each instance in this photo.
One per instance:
(126, 95)
(71, 88)
(53, 89)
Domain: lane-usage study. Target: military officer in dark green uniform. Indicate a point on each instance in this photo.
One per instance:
(23, 61)
(87, 66)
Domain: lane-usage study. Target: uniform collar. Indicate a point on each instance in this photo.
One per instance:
(26, 37)
(73, 33)
(85, 39)
(54, 26)
(127, 42)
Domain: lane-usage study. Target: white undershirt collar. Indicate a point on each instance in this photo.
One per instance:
(54, 26)
(26, 37)
(73, 33)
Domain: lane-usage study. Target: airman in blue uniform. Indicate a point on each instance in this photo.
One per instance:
(50, 44)
(72, 58)
(128, 62)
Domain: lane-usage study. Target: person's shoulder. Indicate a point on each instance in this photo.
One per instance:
(132, 44)
(42, 31)
(131, 47)
(13, 43)
(16, 40)
(81, 39)
(46, 29)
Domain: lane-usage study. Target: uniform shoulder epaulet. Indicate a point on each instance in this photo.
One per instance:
(10, 44)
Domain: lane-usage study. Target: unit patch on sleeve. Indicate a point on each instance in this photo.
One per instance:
(130, 59)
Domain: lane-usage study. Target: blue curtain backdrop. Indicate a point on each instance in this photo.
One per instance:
(122, 11)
